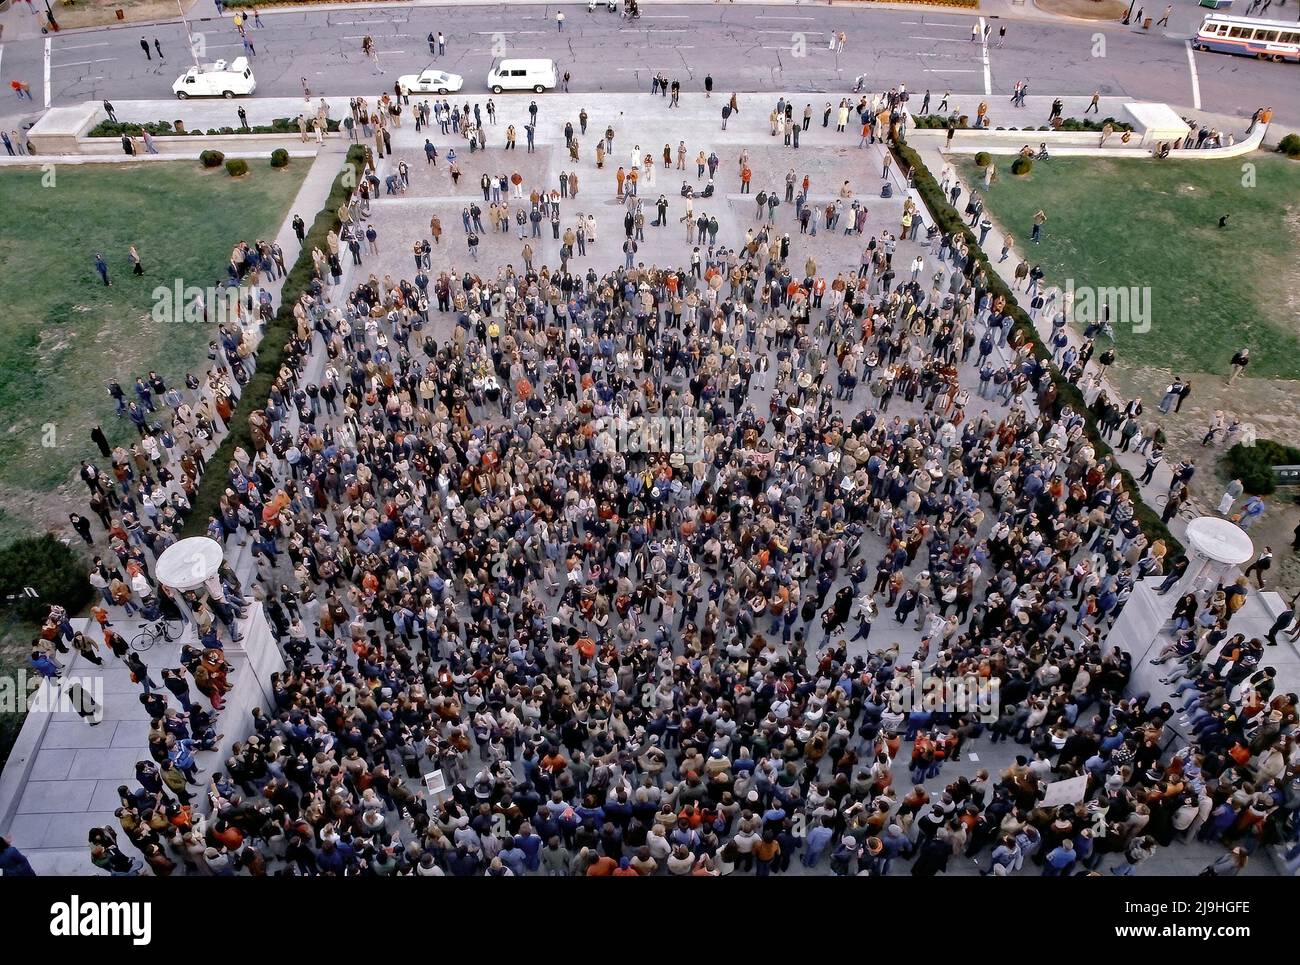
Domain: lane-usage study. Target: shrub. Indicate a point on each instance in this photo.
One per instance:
(212, 159)
(1253, 465)
(983, 159)
(47, 565)
(936, 122)
(1290, 146)
(279, 158)
(236, 167)
(1022, 166)
(118, 128)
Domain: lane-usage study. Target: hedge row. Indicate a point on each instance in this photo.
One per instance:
(950, 220)
(1253, 465)
(938, 122)
(249, 4)
(270, 353)
(967, 4)
(281, 125)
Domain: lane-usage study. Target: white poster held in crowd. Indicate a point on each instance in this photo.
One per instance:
(435, 783)
(1069, 791)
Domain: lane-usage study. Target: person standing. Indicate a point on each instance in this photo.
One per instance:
(144, 45)
(101, 266)
(1040, 218)
(1262, 564)
(1239, 363)
(1231, 493)
(1172, 391)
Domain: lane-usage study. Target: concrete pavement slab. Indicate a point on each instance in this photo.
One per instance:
(49, 797)
(52, 764)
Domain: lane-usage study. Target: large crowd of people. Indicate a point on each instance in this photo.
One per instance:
(486, 554)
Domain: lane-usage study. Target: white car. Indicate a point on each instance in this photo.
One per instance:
(535, 75)
(431, 81)
(216, 80)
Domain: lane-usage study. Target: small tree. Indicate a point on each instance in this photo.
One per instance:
(279, 158)
(1022, 166)
(211, 159)
(49, 567)
(237, 167)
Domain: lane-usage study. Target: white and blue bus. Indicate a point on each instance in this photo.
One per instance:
(1265, 39)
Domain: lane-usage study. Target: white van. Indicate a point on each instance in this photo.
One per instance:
(534, 75)
(216, 80)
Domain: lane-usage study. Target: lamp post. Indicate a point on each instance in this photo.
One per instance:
(188, 34)
(1127, 17)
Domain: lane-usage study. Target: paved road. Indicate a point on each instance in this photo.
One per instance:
(749, 48)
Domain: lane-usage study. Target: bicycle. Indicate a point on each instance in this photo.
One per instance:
(169, 630)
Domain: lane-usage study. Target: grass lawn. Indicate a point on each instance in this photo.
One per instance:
(63, 334)
(1126, 223)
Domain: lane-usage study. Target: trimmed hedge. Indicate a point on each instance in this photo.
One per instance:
(212, 159)
(949, 220)
(1253, 465)
(249, 4)
(965, 4)
(935, 122)
(1022, 165)
(270, 353)
(49, 566)
(1087, 124)
(279, 158)
(118, 128)
(280, 125)
(236, 167)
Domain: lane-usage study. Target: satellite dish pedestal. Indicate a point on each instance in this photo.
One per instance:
(1214, 547)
